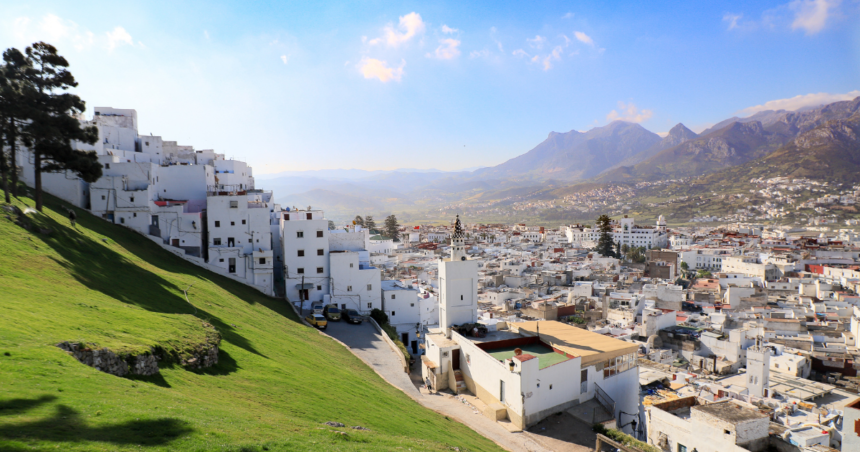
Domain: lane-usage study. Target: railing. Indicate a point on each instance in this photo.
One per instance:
(604, 399)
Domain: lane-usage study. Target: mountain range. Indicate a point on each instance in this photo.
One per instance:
(816, 141)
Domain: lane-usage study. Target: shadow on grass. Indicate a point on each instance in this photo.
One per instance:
(67, 425)
(157, 379)
(102, 269)
(18, 406)
(226, 365)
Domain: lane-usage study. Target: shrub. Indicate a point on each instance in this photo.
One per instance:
(623, 438)
(380, 317)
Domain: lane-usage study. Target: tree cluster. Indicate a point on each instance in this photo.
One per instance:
(39, 115)
(390, 227)
(605, 245)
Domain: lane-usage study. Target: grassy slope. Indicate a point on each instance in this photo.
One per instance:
(276, 383)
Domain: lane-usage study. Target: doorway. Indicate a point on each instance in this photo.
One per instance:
(404, 337)
(231, 268)
(455, 359)
(175, 242)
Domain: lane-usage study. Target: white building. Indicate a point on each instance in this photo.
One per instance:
(304, 238)
(458, 284)
(624, 231)
(684, 425)
(355, 284)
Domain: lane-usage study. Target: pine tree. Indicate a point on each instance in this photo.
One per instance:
(369, 223)
(13, 111)
(392, 227)
(605, 244)
(53, 125)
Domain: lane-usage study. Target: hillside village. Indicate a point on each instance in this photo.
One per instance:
(711, 338)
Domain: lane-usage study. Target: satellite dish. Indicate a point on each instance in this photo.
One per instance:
(463, 258)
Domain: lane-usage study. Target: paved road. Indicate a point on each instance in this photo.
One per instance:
(366, 343)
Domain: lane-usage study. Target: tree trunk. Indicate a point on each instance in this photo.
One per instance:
(37, 179)
(4, 168)
(13, 159)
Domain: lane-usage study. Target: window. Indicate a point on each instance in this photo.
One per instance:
(243, 221)
(234, 204)
(349, 288)
(216, 241)
(319, 233)
(107, 165)
(301, 253)
(300, 234)
(122, 220)
(392, 313)
(320, 288)
(502, 391)
(103, 196)
(262, 260)
(221, 260)
(682, 448)
(251, 241)
(343, 306)
(319, 269)
(134, 214)
(310, 216)
(286, 217)
(369, 305)
(232, 223)
(369, 287)
(350, 265)
(411, 305)
(320, 252)
(217, 224)
(461, 297)
(131, 198)
(300, 271)
(727, 432)
(392, 296)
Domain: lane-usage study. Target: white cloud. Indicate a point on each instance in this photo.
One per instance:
(566, 40)
(447, 50)
(479, 54)
(285, 58)
(584, 38)
(629, 112)
(447, 30)
(568, 16)
(117, 37)
(537, 42)
(800, 101)
(555, 55)
(65, 33)
(520, 53)
(811, 15)
(410, 26)
(206, 35)
(732, 19)
(373, 68)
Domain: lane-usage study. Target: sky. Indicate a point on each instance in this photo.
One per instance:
(294, 86)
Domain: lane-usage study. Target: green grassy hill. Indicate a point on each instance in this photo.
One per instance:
(275, 385)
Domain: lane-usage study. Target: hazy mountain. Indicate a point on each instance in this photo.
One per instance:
(576, 155)
(732, 145)
(830, 151)
(677, 135)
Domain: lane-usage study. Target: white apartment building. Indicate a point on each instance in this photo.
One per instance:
(401, 304)
(355, 284)
(624, 231)
(305, 240)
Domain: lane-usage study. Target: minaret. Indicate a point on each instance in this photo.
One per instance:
(661, 224)
(758, 369)
(458, 283)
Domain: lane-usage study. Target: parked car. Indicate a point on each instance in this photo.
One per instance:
(317, 320)
(351, 316)
(331, 312)
(317, 308)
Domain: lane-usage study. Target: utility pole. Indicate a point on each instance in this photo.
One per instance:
(302, 294)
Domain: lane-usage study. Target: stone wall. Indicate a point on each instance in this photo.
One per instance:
(146, 363)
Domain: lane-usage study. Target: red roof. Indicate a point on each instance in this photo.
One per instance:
(524, 357)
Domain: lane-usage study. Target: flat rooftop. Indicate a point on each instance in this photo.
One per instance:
(730, 412)
(546, 356)
(591, 347)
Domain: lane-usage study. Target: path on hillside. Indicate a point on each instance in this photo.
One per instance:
(366, 343)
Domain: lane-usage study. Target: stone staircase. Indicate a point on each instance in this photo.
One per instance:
(591, 412)
(461, 382)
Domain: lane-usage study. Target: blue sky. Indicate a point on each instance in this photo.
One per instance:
(448, 85)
